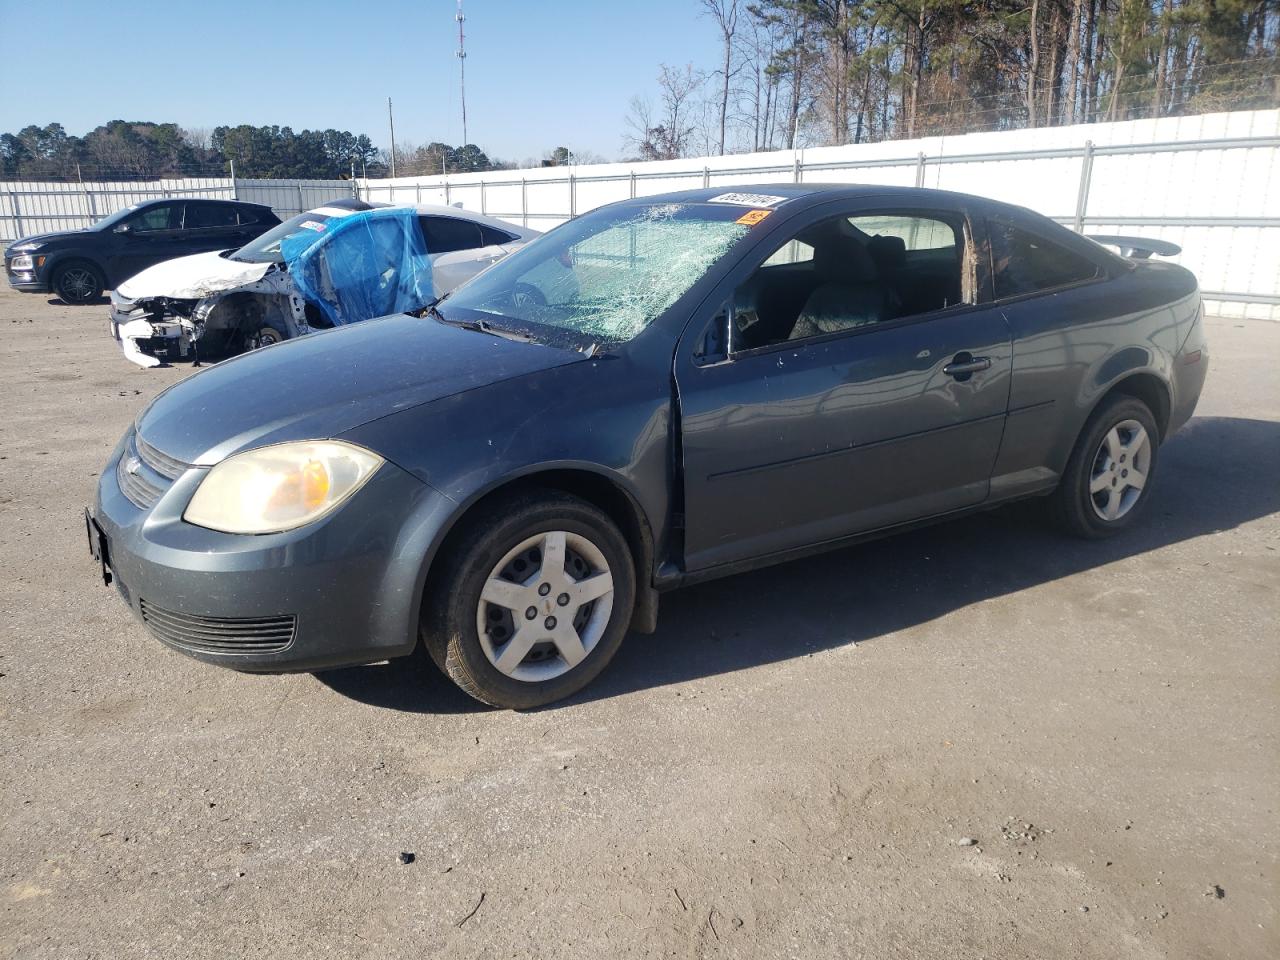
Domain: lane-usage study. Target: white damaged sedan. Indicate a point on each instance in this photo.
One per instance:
(223, 303)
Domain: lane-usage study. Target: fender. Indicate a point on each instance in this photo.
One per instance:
(443, 515)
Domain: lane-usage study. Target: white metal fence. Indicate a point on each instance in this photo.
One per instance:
(1209, 183)
(31, 207)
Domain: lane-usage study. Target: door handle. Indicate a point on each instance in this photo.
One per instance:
(963, 365)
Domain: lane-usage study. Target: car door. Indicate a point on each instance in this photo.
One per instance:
(830, 394)
(210, 226)
(457, 250)
(150, 236)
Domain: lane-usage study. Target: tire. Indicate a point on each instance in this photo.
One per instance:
(509, 543)
(78, 282)
(1097, 496)
(265, 337)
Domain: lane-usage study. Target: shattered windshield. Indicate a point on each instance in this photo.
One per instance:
(605, 276)
(266, 249)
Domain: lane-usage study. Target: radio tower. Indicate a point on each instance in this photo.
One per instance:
(462, 70)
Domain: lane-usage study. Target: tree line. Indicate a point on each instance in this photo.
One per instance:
(816, 72)
(129, 150)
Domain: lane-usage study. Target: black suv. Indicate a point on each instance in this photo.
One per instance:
(78, 265)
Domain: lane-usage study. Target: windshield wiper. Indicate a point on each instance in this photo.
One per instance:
(483, 326)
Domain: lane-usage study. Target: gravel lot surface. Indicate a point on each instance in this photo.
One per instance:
(794, 766)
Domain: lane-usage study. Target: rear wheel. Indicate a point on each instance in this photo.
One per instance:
(533, 601)
(78, 282)
(1105, 485)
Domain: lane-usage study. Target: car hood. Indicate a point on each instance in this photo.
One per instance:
(45, 238)
(324, 384)
(193, 277)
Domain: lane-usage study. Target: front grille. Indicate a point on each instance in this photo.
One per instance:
(141, 491)
(219, 634)
(144, 473)
(161, 463)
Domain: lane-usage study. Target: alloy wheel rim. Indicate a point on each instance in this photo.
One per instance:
(545, 606)
(1120, 469)
(76, 284)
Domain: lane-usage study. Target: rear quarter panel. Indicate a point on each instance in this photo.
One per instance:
(1071, 347)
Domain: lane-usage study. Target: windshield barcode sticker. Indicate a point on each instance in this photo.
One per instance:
(748, 199)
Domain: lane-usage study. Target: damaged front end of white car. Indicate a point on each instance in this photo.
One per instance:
(154, 330)
(215, 305)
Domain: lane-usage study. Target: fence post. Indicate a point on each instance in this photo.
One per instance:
(573, 196)
(524, 202)
(88, 197)
(706, 177)
(483, 206)
(301, 206)
(419, 192)
(446, 193)
(633, 184)
(1086, 177)
(235, 189)
(795, 167)
(920, 169)
(17, 213)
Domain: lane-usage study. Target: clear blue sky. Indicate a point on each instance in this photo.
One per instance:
(539, 73)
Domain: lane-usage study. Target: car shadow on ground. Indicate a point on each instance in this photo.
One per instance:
(1215, 474)
(102, 301)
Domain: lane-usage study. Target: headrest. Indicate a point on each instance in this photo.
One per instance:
(841, 259)
(889, 253)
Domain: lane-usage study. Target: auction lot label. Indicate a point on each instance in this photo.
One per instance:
(748, 199)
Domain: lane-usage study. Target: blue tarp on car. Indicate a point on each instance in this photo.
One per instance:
(366, 265)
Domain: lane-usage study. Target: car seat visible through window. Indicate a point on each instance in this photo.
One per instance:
(851, 292)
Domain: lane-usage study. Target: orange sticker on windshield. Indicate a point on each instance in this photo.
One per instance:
(752, 217)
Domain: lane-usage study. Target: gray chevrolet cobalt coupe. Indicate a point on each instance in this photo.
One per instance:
(662, 391)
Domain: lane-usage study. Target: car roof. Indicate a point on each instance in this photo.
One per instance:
(439, 210)
(239, 203)
(812, 192)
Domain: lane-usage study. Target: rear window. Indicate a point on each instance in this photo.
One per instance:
(446, 234)
(491, 235)
(1023, 262)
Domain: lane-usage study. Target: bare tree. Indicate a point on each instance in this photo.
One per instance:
(197, 137)
(725, 15)
(662, 132)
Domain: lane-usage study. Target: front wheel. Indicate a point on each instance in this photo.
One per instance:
(1107, 480)
(78, 282)
(533, 601)
(265, 337)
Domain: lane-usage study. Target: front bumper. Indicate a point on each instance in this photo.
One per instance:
(341, 591)
(148, 341)
(28, 281)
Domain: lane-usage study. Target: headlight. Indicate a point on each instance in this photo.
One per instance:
(22, 263)
(280, 487)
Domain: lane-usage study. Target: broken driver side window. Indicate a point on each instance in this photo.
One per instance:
(852, 271)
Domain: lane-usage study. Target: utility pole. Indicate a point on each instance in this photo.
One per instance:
(462, 70)
(392, 121)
